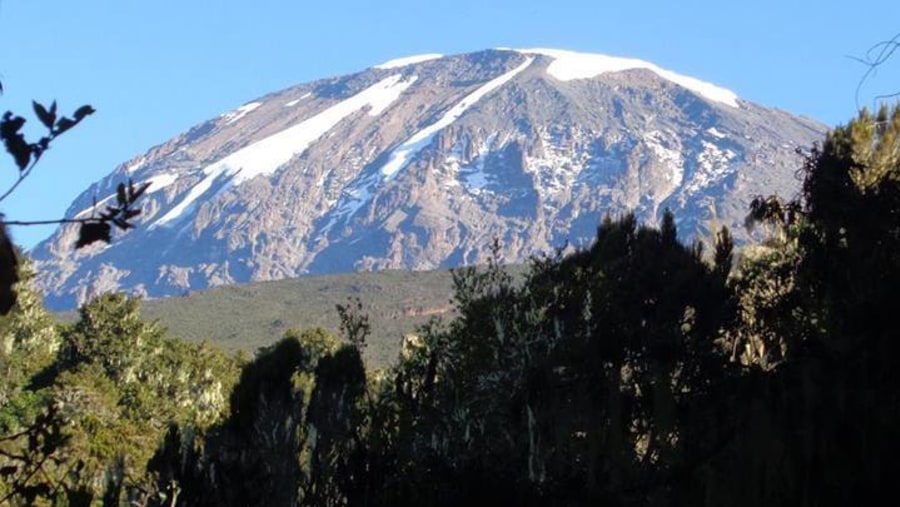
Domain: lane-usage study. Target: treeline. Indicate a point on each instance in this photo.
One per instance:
(639, 371)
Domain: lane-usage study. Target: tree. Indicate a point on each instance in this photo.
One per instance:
(585, 382)
(334, 420)
(820, 426)
(260, 453)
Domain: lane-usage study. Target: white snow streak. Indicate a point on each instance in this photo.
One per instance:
(267, 155)
(297, 101)
(569, 65)
(160, 181)
(353, 198)
(715, 133)
(136, 165)
(402, 154)
(407, 60)
(187, 203)
(240, 112)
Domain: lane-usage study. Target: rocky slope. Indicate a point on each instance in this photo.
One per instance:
(419, 163)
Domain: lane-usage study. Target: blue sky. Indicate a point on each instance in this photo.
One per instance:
(154, 69)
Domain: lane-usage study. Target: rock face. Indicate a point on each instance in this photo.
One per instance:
(419, 163)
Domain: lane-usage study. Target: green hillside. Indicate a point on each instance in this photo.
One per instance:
(247, 317)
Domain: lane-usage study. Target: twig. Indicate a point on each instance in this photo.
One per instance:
(24, 174)
(885, 50)
(17, 490)
(51, 222)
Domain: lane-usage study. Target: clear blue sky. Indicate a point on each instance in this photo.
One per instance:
(152, 69)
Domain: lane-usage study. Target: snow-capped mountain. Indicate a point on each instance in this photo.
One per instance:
(420, 162)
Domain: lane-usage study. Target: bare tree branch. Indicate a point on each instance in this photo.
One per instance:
(875, 57)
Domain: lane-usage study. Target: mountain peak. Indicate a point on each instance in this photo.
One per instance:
(419, 162)
(407, 60)
(569, 65)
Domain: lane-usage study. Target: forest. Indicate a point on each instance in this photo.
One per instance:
(638, 371)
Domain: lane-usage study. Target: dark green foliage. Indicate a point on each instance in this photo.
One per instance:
(86, 406)
(334, 419)
(266, 384)
(259, 444)
(849, 239)
(634, 372)
(265, 439)
(587, 374)
(9, 271)
(820, 428)
(723, 258)
(354, 323)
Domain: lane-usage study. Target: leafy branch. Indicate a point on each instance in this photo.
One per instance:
(97, 228)
(27, 154)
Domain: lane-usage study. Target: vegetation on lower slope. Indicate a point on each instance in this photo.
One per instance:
(248, 317)
(635, 372)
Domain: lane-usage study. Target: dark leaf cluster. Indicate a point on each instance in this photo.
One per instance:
(26, 154)
(99, 228)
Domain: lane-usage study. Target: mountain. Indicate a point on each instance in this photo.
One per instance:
(419, 163)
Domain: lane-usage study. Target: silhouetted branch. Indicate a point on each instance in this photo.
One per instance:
(51, 222)
(22, 175)
(874, 58)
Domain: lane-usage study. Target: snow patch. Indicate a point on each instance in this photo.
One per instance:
(402, 154)
(270, 153)
(160, 181)
(240, 112)
(134, 166)
(475, 176)
(712, 166)
(472, 176)
(188, 203)
(570, 65)
(297, 100)
(670, 157)
(559, 167)
(407, 60)
(715, 133)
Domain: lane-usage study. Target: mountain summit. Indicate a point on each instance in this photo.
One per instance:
(418, 163)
